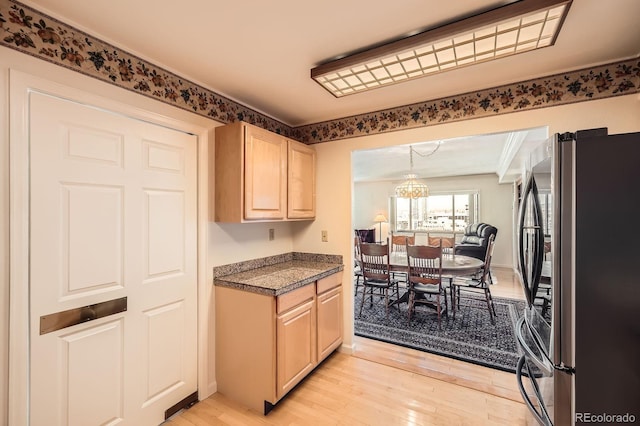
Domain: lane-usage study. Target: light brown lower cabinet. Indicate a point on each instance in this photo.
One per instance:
(329, 314)
(296, 346)
(266, 345)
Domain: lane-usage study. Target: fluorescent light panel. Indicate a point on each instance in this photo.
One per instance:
(516, 28)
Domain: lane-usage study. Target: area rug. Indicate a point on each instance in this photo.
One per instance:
(469, 337)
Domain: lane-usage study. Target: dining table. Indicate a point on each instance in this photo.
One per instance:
(453, 265)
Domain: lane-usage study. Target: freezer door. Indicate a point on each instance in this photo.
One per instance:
(595, 290)
(607, 291)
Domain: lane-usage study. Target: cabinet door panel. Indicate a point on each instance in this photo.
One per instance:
(265, 175)
(296, 346)
(329, 322)
(301, 181)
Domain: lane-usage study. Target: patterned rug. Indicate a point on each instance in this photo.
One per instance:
(470, 337)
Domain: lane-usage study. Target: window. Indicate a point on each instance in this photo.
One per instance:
(438, 212)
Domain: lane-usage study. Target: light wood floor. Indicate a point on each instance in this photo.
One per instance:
(382, 384)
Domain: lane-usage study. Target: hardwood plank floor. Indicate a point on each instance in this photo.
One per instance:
(494, 382)
(382, 384)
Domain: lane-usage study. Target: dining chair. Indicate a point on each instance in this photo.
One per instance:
(470, 285)
(448, 245)
(398, 245)
(424, 265)
(357, 269)
(444, 242)
(377, 279)
(398, 242)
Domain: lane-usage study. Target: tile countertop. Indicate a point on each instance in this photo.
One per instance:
(277, 275)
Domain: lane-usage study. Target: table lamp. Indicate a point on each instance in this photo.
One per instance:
(379, 219)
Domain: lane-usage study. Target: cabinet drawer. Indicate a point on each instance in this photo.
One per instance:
(295, 297)
(327, 283)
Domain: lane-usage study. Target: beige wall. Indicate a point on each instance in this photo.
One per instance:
(235, 242)
(4, 240)
(496, 206)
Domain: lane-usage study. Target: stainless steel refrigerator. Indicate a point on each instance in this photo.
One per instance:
(580, 332)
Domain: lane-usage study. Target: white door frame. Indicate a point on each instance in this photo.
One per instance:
(21, 84)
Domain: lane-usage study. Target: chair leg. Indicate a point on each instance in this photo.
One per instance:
(545, 307)
(446, 305)
(410, 304)
(493, 306)
(453, 305)
(398, 296)
(487, 297)
(364, 296)
(452, 293)
(386, 301)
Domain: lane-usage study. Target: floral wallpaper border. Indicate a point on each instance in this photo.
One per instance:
(620, 78)
(34, 33)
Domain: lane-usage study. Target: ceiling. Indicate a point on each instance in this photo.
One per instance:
(503, 154)
(260, 53)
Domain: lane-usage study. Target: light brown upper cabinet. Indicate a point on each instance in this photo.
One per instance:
(301, 181)
(261, 176)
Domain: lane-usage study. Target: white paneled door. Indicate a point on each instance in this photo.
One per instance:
(112, 216)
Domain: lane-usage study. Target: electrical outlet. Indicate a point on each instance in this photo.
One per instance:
(325, 236)
(272, 234)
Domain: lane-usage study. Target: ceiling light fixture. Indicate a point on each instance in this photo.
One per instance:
(508, 30)
(412, 187)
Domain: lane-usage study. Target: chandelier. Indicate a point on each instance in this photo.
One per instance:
(412, 187)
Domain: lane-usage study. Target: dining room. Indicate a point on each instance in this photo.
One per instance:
(468, 181)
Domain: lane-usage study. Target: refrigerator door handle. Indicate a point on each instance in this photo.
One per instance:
(541, 417)
(544, 363)
(565, 368)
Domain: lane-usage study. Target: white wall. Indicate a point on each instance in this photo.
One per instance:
(496, 206)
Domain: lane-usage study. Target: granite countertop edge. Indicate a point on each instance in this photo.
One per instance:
(293, 285)
(277, 275)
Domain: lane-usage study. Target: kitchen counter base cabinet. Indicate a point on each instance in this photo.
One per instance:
(329, 301)
(265, 345)
(296, 345)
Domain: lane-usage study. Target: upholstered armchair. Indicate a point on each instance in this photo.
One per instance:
(475, 240)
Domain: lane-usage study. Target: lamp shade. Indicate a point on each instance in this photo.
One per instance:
(412, 188)
(380, 218)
